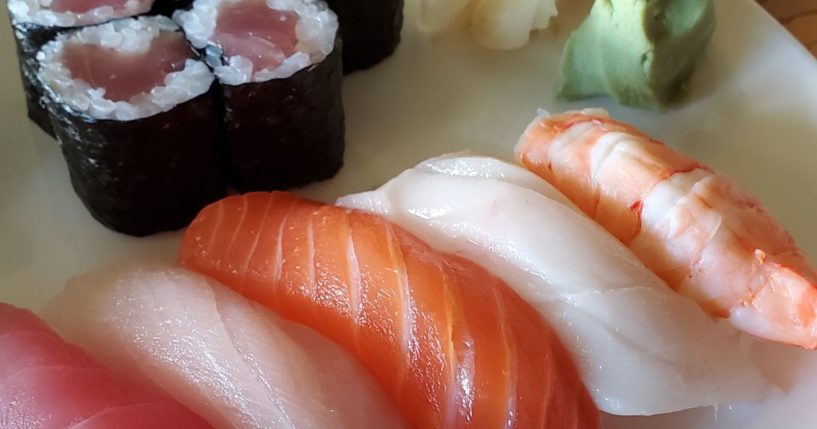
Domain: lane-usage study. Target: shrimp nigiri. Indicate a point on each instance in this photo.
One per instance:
(706, 237)
(230, 360)
(451, 344)
(620, 321)
(47, 383)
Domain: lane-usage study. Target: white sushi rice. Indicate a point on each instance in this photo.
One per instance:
(316, 30)
(39, 12)
(126, 36)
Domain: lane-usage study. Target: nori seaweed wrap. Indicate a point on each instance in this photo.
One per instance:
(144, 176)
(284, 115)
(29, 39)
(168, 7)
(35, 25)
(285, 133)
(141, 161)
(370, 30)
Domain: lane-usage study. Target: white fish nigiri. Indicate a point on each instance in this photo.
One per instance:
(233, 362)
(641, 348)
(493, 24)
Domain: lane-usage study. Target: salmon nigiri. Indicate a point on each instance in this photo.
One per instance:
(230, 360)
(706, 237)
(47, 383)
(452, 345)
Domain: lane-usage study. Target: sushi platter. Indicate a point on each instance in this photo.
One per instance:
(429, 257)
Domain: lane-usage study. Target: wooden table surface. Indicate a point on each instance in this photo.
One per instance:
(799, 16)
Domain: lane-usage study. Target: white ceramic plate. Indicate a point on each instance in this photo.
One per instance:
(752, 114)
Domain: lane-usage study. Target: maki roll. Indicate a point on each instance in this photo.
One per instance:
(133, 108)
(279, 65)
(36, 22)
(370, 30)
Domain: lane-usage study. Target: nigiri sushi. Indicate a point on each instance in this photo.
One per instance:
(641, 348)
(493, 24)
(452, 345)
(706, 237)
(47, 383)
(234, 362)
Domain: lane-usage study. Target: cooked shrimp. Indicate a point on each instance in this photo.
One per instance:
(706, 237)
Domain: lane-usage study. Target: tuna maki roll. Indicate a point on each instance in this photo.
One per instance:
(279, 65)
(36, 22)
(132, 106)
(370, 30)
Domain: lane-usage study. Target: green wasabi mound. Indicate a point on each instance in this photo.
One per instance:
(639, 52)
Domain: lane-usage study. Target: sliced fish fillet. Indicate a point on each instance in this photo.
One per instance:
(47, 383)
(234, 362)
(641, 348)
(451, 344)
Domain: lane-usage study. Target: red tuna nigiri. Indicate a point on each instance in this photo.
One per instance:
(46, 382)
(452, 345)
